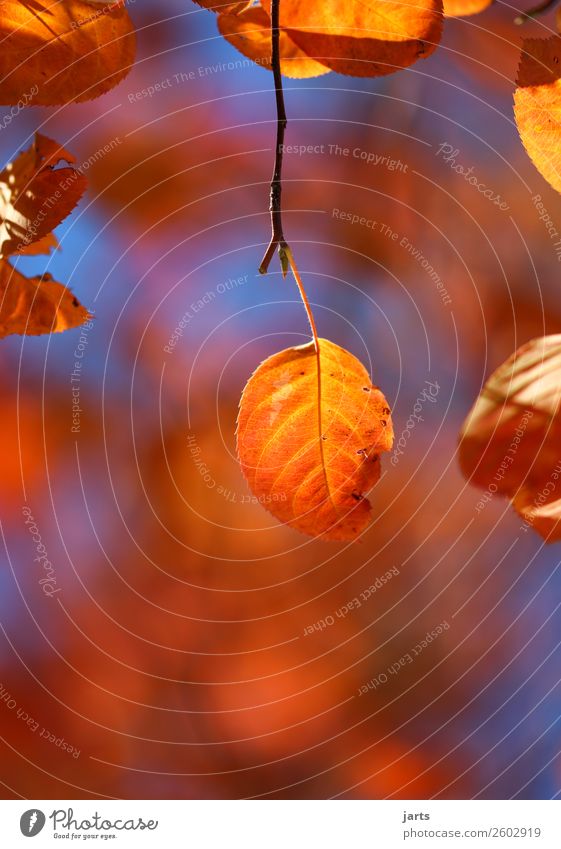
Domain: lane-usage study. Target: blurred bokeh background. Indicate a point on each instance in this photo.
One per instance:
(177, 653)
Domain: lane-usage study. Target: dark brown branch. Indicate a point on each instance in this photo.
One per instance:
(275, 207)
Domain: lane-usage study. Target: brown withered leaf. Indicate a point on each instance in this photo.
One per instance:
(36, 305)
(364, 38)
(35, 196)
(249, 31)
(537, 105)
(314, 480)
(223, 7)
(511, 440)
(62, 52)
(464, 8)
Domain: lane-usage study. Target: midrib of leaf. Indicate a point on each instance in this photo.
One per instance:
(311, 320)
(45, 24)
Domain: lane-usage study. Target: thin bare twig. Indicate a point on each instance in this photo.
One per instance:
(278, 242)
(535, 11)
(277, 237)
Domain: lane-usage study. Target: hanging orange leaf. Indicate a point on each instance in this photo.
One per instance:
(511, 440)
(537, 105)
(249, 31)
(36, 305)
(59, 52)
(308, 473)
(364, 38)
(35, 196)
(464, 8)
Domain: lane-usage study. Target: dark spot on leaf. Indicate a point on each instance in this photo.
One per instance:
(357, 496)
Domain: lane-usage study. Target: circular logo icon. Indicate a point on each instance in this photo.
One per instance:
(32, 822)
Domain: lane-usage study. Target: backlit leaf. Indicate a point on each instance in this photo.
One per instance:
(59, 52)
(315, 482)
(464, 8)
(36, 305)
(250, 33)
(44, 245)
(537, 105)
(511, 439)
(35, 196)
(364, 38)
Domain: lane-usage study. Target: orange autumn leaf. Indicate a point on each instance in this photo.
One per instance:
(537, 105)
(36, 305)
(44, 245)
(464, 8)
(62, 52)
(511, 440)
(35, 196)
(314, 482)
(364, 38)
(250, 33)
